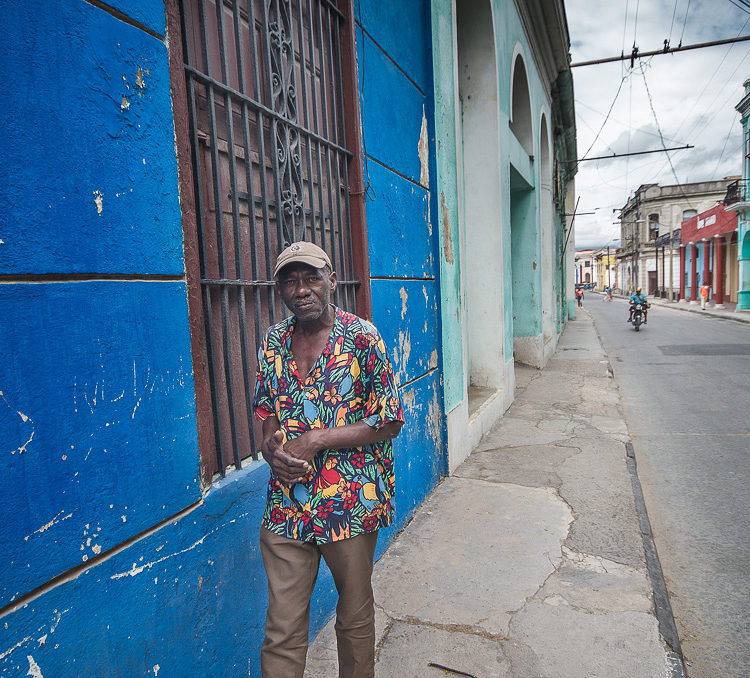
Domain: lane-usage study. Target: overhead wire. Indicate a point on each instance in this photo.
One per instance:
(674, 13)
(726, 140)
(710, 81)
(614, 101)
(658, 128)
(578, 102)
(740, 6)
(684, 23)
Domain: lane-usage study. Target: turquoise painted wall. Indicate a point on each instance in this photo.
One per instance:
(446, 183)
(508, 33)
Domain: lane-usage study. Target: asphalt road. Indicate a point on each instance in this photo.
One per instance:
(685, 385)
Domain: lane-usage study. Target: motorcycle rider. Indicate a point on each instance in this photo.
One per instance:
(638, 298)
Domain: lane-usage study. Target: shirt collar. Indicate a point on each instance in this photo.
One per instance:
(336, 331)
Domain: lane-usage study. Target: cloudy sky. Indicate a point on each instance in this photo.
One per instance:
(693, 95)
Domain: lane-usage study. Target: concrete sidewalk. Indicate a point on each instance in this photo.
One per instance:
(529, 561)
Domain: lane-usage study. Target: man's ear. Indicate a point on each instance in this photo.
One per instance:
(333, 281)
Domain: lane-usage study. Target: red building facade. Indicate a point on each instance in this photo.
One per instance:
(709, 253)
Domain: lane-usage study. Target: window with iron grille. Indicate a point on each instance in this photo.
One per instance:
(266, 85)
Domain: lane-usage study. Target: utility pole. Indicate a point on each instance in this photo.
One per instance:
(671, 259)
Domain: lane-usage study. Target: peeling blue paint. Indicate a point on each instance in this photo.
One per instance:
(102, 370)
(94, 187)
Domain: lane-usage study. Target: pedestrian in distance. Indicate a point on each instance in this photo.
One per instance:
(705, 291)
(327, 398)
(579, 297)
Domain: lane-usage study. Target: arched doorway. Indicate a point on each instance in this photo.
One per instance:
(525, 241)
(548, 263)
(481, 193)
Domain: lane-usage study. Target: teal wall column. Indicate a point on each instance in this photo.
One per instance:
(743, 255)
(526, 270)
(445, 92)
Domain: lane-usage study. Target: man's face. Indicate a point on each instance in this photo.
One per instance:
(305, 290)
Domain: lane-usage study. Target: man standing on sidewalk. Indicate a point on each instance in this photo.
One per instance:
(327, 398)
(705, 288)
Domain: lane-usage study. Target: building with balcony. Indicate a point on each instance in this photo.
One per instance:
(650, 233)
(737, 199)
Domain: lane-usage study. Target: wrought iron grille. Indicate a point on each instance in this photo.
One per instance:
(737, 191)
(270, 165)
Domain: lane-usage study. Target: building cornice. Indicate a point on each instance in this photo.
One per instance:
(744, 106)
(546, 28)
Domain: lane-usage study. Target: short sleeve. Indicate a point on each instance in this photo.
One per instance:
(262, 401)
(382, 399)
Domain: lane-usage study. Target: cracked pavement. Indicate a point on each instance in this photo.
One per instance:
(528, 560)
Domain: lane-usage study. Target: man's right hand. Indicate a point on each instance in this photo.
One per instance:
(286, 469)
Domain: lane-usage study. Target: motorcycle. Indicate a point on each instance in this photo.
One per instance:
(637, 319)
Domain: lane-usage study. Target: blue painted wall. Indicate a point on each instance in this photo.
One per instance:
(96, 392)
(87, 130)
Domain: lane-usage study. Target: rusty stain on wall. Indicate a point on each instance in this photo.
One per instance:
(125, 105)
(447, 236)
(422, 150)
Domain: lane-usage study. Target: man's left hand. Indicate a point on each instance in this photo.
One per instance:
(305, 446)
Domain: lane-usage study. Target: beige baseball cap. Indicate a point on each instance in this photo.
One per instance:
(304, 252)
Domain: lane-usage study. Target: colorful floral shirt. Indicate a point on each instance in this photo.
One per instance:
(350, 491)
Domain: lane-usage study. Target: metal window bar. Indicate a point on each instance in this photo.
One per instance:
(270, 167)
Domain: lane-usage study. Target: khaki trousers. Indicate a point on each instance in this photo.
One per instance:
(292, 568)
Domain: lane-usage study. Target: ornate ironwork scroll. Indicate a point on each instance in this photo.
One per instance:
(284, 101)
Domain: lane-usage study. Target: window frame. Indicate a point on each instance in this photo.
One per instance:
(210, 464)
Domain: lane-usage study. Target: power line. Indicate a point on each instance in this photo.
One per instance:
(674, 13)
(684, 23)
(623, 155)
(741, 7)
(709, 82)
(614, 101)
(658, 129)
(619, 122)
(724, 148)
(666, 50)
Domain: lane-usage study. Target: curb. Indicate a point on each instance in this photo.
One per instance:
(662, 606)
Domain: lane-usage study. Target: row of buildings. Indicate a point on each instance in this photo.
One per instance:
(675, 238)
(158, 154)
